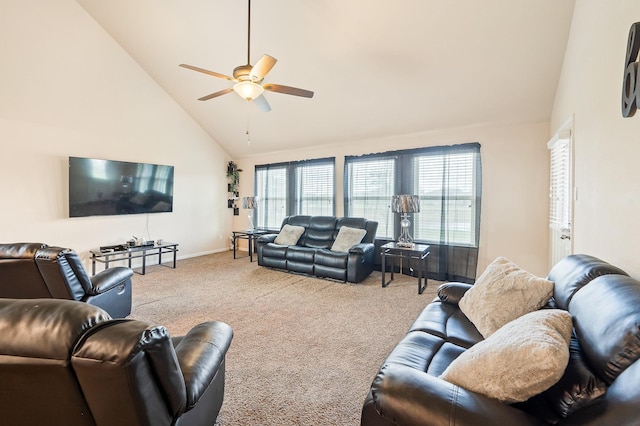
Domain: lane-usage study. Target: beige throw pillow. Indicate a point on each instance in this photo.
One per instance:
(522, 359)
(289, 235)
(347, 238)
(503, 293)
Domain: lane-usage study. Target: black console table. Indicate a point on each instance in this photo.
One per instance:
(134, 252)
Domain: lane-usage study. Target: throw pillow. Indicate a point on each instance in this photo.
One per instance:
(289, 235)
(347, 238)
(520, 360)
(502, 293)
(578, 387)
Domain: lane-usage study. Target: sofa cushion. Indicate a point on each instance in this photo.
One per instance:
(320, 232)
(331, 258)
(520, 360)
(607, 323)
(300, 254)
(289, 235)
(347, 238)
(503, 293)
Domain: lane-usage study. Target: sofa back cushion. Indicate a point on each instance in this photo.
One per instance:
(607, 323)
(37, 337)
(20, 277)
(321, 232)
(574, 272)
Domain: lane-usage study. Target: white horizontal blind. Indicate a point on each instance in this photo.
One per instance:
(560, 184)
(446, 185)
(297, 188)
(271, 193)
(314, 188)
(369, 185)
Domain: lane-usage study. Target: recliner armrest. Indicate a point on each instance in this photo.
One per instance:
(267, 238)
(452, 292)
(200, 353)
(406, 396)
(362, 248)
(105, 280)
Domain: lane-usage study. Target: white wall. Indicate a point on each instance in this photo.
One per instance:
(607, 146)
(67, 89)
(515, 166)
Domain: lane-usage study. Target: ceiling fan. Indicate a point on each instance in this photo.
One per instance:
(248, 78)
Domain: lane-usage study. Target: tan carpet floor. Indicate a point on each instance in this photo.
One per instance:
(304, 351)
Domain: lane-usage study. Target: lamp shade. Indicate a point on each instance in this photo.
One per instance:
(248, 89)
(405, 203)
(249, 203)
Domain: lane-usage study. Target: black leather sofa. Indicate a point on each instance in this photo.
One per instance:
(35, 270)
(67, 363)
(604, 352)
(312, 255)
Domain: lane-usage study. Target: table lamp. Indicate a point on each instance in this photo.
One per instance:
(249, 203)
(405, 204)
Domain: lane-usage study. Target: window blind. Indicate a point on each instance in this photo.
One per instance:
(560, 184)
(369, 185)
(295, 188)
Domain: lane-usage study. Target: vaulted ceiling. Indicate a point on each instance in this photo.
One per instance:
(378, 68)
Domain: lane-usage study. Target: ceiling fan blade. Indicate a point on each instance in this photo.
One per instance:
(216, 94)
(262, 103)
(213, 73)
(288, 90)
(262, 67)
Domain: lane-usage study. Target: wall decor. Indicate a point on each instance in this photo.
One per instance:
(631, 79)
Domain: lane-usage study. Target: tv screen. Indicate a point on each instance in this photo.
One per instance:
(106, 187)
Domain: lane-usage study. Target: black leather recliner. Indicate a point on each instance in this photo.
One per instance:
(67, 363)
(35, 270)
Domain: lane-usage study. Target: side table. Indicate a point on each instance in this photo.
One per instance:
(418, 253)
(250, 236)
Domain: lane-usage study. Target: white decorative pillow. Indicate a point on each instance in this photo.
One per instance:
(522, 359)
(289, 235)
(347, 238)
(503, 293)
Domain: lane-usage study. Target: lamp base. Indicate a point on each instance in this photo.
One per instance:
(407, 245)
(405, 240)
(250, 227)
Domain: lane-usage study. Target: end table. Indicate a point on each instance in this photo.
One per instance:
(419, 253)
(250, 236)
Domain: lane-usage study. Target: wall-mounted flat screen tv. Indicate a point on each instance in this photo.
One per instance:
(106, 187)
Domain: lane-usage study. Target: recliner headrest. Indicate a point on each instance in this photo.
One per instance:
(574, 272)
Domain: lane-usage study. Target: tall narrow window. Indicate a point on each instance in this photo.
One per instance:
(296, 188)
(369, 185)
(271, 191)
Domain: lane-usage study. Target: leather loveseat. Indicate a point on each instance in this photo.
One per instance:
(35, 270)
(67, 363)
(600, 385)
(313, 254)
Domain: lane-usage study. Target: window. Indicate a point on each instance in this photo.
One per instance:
(448, 181)
(448, 194)
(369, 190)
(560, 185)
(296, 188)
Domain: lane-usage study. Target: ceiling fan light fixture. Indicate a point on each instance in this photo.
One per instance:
(248, 89)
